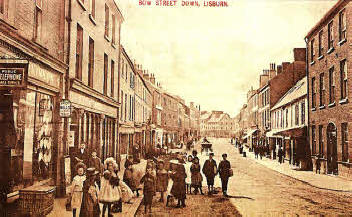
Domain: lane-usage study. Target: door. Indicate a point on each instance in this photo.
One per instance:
(332, 149)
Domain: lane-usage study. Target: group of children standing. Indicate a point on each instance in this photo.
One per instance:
(86, 194)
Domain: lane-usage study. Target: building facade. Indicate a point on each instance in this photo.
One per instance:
(329, 94)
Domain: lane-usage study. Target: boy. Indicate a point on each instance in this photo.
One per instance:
(149, 189)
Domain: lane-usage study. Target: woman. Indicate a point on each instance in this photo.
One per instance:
(162, 179)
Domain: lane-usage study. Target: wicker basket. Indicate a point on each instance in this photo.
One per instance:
(37, 200)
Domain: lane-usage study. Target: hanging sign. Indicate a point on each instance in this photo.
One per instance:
(65, 108)
(13, 75)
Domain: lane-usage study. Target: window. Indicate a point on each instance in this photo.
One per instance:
(314, 141)
(331, 85)
(112, 77)
(38, 21)
(105, 85)
(92, 12)
(344, 141)
(321, 48)
(303, 113)
(121, 115)
(342, 25)
(286, 117)
(113, 29)
(91, 62)
(106, 20)
(330, 36)
(343, 79)
(321, 141)
(312, 53)
(79, 52)
(125, 106)
(314, 97)
(321, 90)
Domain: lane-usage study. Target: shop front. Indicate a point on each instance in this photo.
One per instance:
(30, 127)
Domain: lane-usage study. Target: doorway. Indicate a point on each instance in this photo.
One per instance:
(332, 167)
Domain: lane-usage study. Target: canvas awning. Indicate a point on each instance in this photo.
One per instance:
(250, 133)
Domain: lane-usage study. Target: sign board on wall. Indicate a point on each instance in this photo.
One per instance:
(65, 108)
(13, 75)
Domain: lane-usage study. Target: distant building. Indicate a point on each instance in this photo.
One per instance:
(216, 124)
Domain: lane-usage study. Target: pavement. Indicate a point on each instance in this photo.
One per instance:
(322, 181)
(127, 209)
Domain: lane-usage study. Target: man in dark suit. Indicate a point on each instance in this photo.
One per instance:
(82, 155)
(224, 172)
(210, 171)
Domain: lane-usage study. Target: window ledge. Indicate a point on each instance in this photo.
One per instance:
(322, 107)
(320, 57)
(342, 42)
(113, 45)
(39, 45)
(81, 4)
(92, 19)
(343, 101)
(330, 50)
(107, 38)
(314, 109)
(311, 63)
(332, 104)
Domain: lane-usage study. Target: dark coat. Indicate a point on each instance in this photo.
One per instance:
(196, 176)
(224, 169)
(83, 156)
(95, 163)
(128, 179)
(90, 204)
(149, 184)
(178, 189)
(210, 168)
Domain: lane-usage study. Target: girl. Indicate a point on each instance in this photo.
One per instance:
(196, 176)
(90, 204)
(179, 187)
(110, 191)
(77, 188)
(188, 173)
(162, 179)
(149, 189)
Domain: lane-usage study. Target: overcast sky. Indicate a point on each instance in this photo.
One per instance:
(212, 56)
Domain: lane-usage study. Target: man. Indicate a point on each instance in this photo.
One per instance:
(82, 154)
(224, 172)
(194, 153)
(95, 162)
(280, 154)
(210, 171)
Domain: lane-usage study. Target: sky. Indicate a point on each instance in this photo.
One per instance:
(213, 56)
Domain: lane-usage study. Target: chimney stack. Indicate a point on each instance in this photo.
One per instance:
(279, 69)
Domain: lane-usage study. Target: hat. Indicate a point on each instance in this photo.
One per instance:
(211, 154)
(80, 165)
(174, 162)
(224, 155)
(91, 171)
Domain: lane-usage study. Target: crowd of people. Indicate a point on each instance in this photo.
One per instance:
(95, 183)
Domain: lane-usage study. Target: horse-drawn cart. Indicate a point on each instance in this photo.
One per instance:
(206, 147)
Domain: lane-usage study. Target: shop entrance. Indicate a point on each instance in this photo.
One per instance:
(332, 149)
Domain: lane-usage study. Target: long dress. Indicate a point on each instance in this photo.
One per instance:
(162, 179)
(196, 175)
(188, 172)
(77, 191)
(90, 204)
(109, 193)
(178, 189)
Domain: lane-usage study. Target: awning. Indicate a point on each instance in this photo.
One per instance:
(250, 133)
(297, 131)
(273, 134)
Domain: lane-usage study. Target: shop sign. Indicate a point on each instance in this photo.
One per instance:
(65, 108)
(13, 75)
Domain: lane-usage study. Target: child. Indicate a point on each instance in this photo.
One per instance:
(179, 186)
(95, 162)
(317, 165)
(109, 192)
(90, 204)
(149, 189)
(188, 173)
(77, 188)
(128, 179)
(162, 179)
(196, 176)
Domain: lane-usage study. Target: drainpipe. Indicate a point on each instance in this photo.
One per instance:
(308, 149)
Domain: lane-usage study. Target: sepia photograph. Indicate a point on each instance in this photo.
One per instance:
(196, 108)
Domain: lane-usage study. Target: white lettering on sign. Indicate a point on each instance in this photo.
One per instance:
(65, 108)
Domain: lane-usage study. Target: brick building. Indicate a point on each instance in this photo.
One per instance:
(169, 119)
(32, 36)
(329, 94)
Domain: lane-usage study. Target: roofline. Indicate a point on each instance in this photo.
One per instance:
(325, 17)
(118, 9)
(289, 103)
(128, 59)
